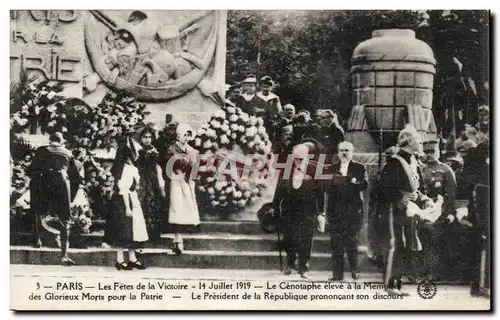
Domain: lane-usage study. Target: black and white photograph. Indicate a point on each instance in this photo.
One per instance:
(250, 160)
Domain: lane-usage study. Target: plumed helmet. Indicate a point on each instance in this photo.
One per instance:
(408, 134)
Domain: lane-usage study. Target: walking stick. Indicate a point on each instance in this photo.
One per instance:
(278, 232)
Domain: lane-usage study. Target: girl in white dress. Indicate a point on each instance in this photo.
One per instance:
(126, 226)
(183, 215)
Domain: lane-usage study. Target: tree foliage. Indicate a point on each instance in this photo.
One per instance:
(308, 52)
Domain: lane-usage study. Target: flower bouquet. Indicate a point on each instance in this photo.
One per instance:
(81, 215)
(98, 184)
(232, 132)
(34, 104)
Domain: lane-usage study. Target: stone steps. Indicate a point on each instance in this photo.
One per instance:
(220, 245)
(164, 258)
(233, 227)
(206, 241)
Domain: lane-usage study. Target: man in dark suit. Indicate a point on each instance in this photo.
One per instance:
(345, 209)
(301, 202)
(54, 183)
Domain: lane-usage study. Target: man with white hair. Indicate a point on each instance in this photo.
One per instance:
(401, 183)
(345, 209)
(301, 202)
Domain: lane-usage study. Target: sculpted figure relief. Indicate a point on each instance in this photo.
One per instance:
(152, 56)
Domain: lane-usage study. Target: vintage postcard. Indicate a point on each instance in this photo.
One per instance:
(250, 160)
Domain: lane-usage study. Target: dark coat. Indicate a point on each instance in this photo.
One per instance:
(254, 107)
(330, 137)
(345, 199)
(300, 205)
(54, 181)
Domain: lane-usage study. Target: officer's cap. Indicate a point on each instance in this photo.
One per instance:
(431, 145)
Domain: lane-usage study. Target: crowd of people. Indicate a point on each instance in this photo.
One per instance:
(414, 220)
(412, 201)
(145, 201)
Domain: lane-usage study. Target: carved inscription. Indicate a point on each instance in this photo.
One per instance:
(42, 44)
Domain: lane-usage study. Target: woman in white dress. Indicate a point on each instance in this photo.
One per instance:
(183, 215)
(126, 226)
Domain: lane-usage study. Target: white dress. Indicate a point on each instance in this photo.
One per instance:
(183, 208)
(130, 176)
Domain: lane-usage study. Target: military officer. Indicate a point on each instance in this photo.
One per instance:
(438, 240)
(400, 183)
(54, 183)
(439, 178)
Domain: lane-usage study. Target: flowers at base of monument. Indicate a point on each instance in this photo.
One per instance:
(80, 224)
(230, 193)
(231, 127)
(32, 104)
(103, 126)
(230, 130)
(81, 214)
(98, 181)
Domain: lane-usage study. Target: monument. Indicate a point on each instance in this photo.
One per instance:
(172, 60)
(392, 77)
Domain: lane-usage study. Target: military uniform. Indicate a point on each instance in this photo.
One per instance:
(54, 183)
(439, 239)
(273, 102)
(399, 179)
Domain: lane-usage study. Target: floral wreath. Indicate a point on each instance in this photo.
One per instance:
(37, 104)
(232, 133)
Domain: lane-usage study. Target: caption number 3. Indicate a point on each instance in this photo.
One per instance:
(38, 285)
